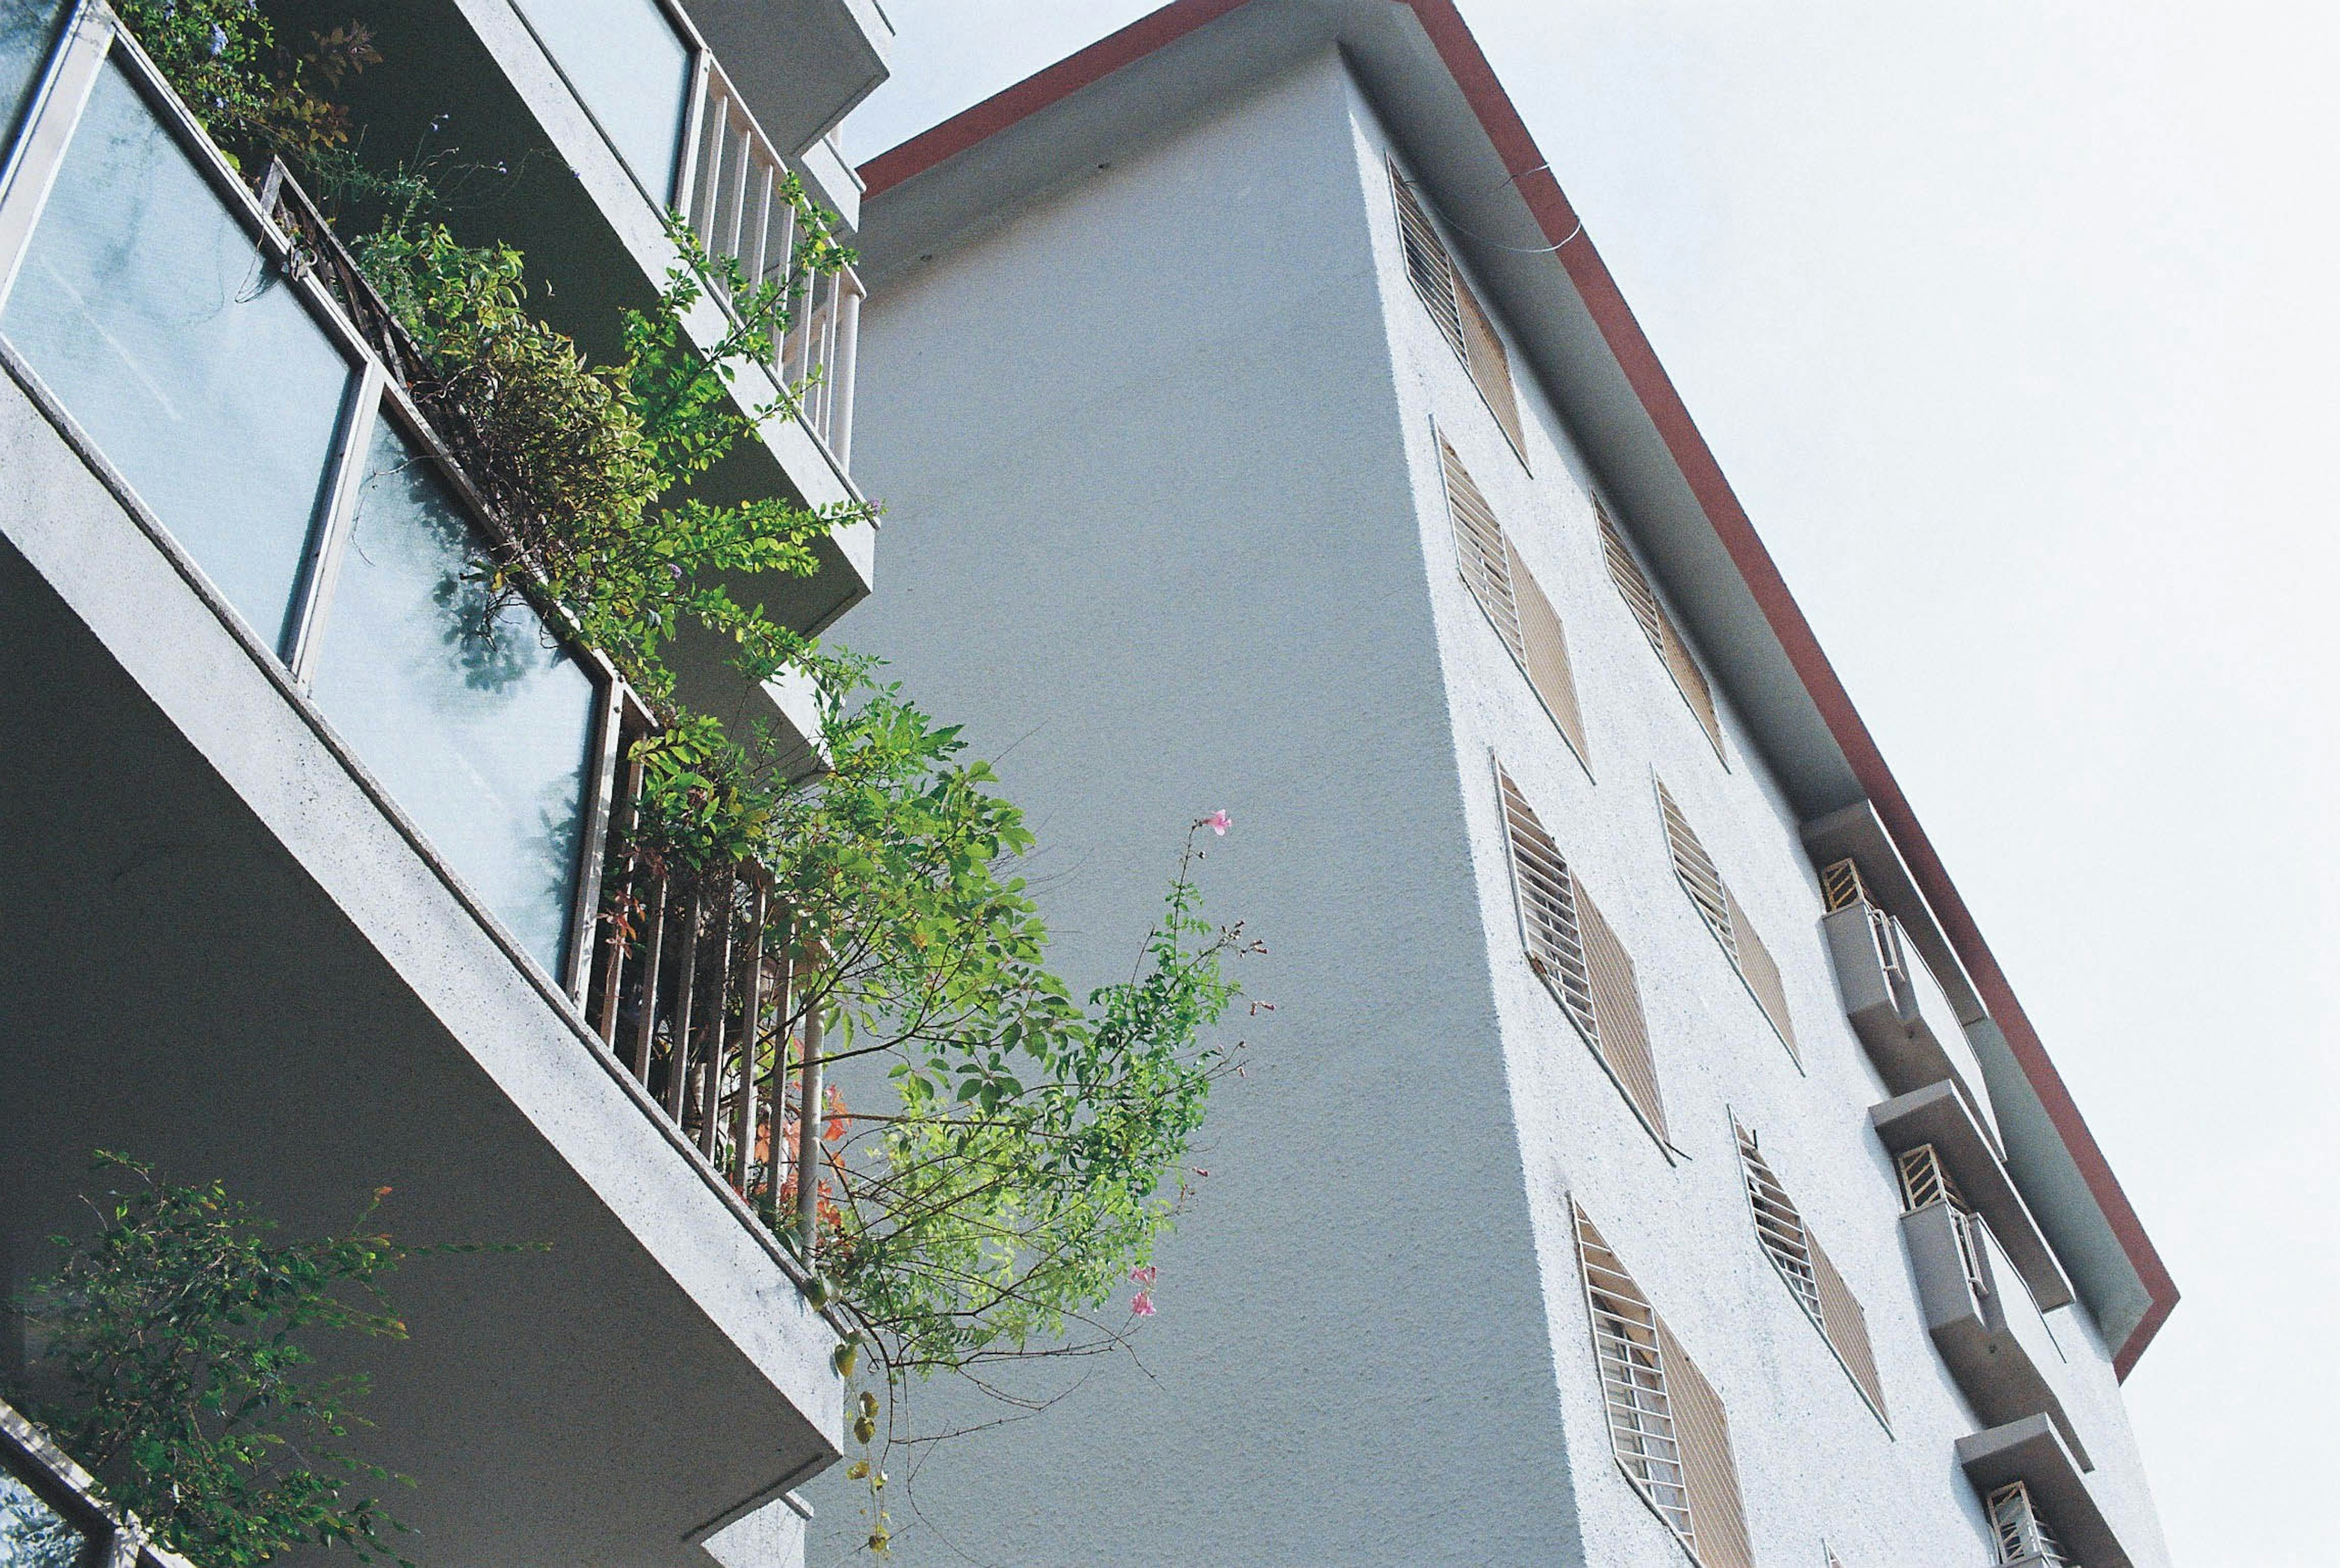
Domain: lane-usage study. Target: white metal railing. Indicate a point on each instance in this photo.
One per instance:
(732, 189)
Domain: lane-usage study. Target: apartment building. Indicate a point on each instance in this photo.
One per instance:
(1647, 1159)
(300, 875)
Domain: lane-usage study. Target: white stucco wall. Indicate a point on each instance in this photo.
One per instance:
(1167, 529)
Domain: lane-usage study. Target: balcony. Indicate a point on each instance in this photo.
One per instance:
(1896, 1005)
(50, 1514)
(1983, 1321)
(607, 115)
(2031, 1453)
(301, 838)
(1940, 1119)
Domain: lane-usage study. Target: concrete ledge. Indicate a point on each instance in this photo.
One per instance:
(2031, 1451)
(1940, 1116)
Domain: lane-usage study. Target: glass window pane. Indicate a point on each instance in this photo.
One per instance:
(478, 725)
(632, 69)
(27, 29)
(151, 315)
(32, 1534)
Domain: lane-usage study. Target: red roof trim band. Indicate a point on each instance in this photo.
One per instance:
(1509, 135)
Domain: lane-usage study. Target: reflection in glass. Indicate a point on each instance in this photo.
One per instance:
(26, 27)
(632, 69)
(146, 307)
(32, 1534)
(479, 727)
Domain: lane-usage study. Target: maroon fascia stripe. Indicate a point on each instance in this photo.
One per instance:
(1509, 135)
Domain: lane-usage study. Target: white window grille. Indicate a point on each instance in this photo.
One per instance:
(1656, 625)
(1699, 877)
(1805, 1266)
(1517, 609)
(1666, 1427)
(1925, 1179)
(2020, 1532)
(1461, 321)
(1579, 957)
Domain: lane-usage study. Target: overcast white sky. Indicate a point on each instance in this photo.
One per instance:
(2016, 327)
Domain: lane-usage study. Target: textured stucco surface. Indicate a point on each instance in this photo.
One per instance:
(1166, 528)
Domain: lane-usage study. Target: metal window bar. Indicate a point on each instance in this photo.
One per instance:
(1778, 1225)
(1498, 581)
(1841, 886)
(1579, 959)
(732, 199)
(1627, 1350)
(1805, 1268)
(1549, 924)
(2019, 1531)
(1925, 1179)
(1428, 267)
(1713, 898)
(1482, 552)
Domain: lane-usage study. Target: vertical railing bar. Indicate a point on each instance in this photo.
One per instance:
(751, 1018)
(736, 199)
(751, 261)
(849, 358)
(809, 1137)
(711, 1094)
(829, 354)
(593, 851)
(784, 263)
(685, 988)
(613, 969)
(646, 1027)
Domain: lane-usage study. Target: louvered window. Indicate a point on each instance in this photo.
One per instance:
(1696, 870)
(1659, 628)
(1579, 957)
(1666, 1427)
(1522, 617)
(2020, 1532)
(1461, 321)
(1811, 1277)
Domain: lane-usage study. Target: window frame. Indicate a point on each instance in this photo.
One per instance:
(90, 40)
(1455, 308)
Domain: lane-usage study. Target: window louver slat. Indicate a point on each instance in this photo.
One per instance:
(1625, 1033)
(1656, 625)
(1762, 974)
(1484, 553)
(1804, 1266)
(1578, 957)
(1427, 265)
(1847, 1328)
(1546, 657)
(1517, 609)
(1490, 365)
(1710, 1474)
(1702, 881)
(2021, 1535)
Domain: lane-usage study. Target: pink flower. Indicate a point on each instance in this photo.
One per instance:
(1218, 822)
(1142, 1304)
(1143, 1275)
